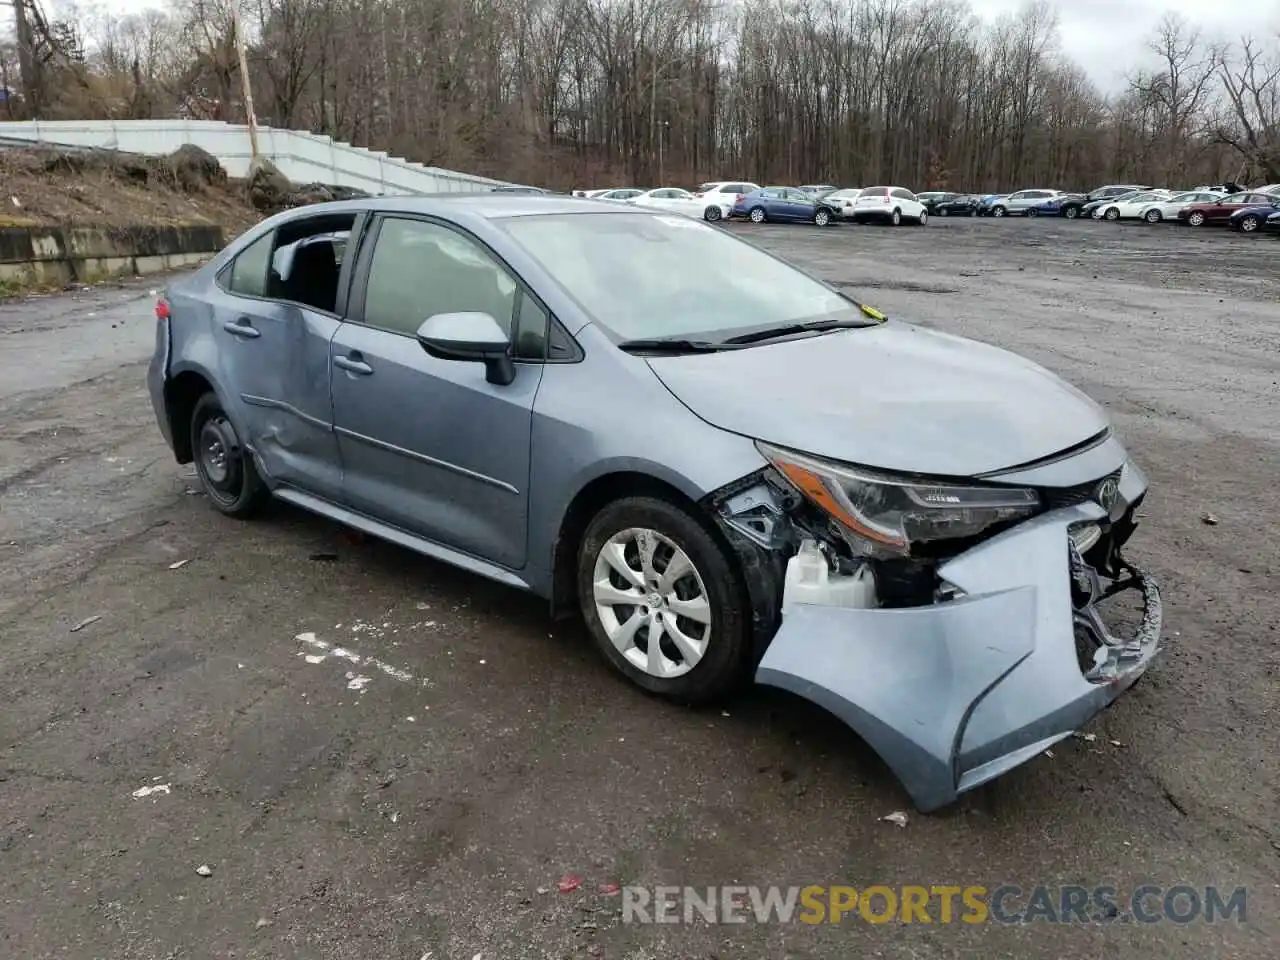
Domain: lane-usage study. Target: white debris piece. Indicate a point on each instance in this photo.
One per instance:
(179, 565)
(204, 870)
(356, 683)
(148, 791)
(898, 818)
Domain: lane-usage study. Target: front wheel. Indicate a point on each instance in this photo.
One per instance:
(224, 467)
(1112, 214)
(1152, 216)
(713, 213)
(1071, 212)
(1250, 223)
(923, 218)
(1196, 219)
(822, 216)
(943, 212)
(663, 601)
(1032, 212)
(998, 212)
(757, 215)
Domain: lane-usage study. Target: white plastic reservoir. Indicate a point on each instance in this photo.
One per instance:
(809, 580)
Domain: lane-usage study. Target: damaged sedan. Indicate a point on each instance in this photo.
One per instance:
(734, 471)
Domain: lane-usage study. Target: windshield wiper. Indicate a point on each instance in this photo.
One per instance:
(793, 329)
(669, 345)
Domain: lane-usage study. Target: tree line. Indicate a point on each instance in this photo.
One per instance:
(605, 92)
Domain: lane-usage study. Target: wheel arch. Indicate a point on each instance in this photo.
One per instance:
(182, 390)
(592, 497)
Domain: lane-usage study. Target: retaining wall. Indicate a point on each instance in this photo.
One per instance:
(53, 254)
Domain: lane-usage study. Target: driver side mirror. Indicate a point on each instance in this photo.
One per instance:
(470, 336)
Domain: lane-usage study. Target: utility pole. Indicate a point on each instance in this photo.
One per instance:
(250, 119)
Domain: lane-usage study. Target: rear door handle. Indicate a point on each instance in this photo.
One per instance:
(353, 364)
(241, 327)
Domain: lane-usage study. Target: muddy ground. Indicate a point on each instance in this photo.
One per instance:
(426, 813)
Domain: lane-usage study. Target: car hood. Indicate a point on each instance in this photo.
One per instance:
(893, 396)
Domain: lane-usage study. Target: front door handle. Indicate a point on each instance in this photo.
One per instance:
(353, 364)
(241, 327)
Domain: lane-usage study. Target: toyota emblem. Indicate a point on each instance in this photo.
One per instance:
(1107, 493)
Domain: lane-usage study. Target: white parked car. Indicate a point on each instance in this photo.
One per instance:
(623, 193)
(1131, 207)
(1017, 204)
(723, 193)
(888, 204)
(1167, 208)
(675, 200)
(844, 200)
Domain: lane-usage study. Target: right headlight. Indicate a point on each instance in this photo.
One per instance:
(887, 516)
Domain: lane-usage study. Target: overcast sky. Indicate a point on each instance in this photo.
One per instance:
(1106, 37)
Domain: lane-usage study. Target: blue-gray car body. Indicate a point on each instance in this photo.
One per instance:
(366, 427)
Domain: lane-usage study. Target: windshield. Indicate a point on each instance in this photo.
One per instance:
(643, 277)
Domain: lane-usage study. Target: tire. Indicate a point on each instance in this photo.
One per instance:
(713, 213)
(1196, 219)
(757, 215)
(1249, 224)
(1071, 213)
(923, 219)
(725, 654)
(1032, 212)
(225, 469)
(1112, 214)
(997, 211)
(1153, 216)
(896, 218)
(943, 212)
(822, 216)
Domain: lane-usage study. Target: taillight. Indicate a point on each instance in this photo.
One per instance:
(162, 309)
(740, 197)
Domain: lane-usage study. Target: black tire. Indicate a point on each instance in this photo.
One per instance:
(757, 215)
(1032, 212)
(231, 483)
(1071, 212)
(1250, 224)
(997, 211)
(713, 213)
(1113, 214)
(944, 212)
(1196, 219)
(1153, 216)
(726, 661)
(822, 216)
(896, 218)
(923, 219)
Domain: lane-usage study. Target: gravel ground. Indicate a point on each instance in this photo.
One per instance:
(432, 810)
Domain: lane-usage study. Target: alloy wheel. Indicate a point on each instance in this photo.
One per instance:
(652, 602)
(1249, 224)
(757, 215)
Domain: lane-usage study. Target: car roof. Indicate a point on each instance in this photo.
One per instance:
(490, 206)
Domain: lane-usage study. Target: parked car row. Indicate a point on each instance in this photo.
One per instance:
(1250, 211)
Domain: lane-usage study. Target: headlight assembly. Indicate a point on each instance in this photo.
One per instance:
(886, 516)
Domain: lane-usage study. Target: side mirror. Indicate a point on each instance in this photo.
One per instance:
(470, 336)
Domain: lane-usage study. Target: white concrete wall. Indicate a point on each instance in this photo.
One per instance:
(302, 157)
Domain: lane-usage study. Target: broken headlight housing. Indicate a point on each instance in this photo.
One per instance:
(885, 517)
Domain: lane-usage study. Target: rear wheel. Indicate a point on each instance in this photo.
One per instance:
(663, 601)
(1112, 213)
(757, 215)
(943, 212)
(1153, 216)
(896, 218)
(1071, 212)
(1196, 219)
(225, 468)
(1032, 212)
(998, 211)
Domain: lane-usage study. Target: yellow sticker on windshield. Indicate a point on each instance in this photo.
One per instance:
(872, 312)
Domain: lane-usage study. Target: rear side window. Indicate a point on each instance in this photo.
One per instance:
(249, 269)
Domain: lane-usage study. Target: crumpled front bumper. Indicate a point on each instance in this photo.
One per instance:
(954, 694)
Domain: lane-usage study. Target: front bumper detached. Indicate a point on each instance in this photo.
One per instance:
(954, 694)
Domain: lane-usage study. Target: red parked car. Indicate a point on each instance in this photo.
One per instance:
(1218, 212)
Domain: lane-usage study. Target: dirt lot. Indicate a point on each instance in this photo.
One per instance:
(432, 812)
